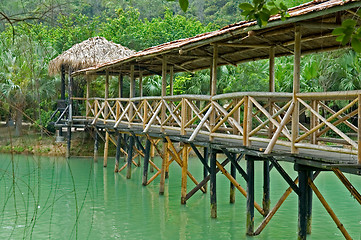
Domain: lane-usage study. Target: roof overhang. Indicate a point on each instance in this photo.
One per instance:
(242, 42)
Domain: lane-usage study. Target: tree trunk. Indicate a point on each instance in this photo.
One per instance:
(19, 122)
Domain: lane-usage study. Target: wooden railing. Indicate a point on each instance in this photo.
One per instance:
(328, 121)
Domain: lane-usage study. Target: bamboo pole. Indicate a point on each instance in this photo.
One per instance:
(274, 209)
(184, 173)
(279, 130)
(348, 184)
(171, 76)
(213, 90)
(106, 146)
(328, 209)
(120, 85)
(164, 90)
(96, 145)
(87, 95)
(140, 85)
(271, 87)
(296, 88)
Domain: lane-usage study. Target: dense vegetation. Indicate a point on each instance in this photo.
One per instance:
(36, 31)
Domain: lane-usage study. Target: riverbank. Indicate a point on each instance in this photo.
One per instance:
(33, 142)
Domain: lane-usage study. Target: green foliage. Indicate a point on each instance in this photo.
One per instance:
(262, 10)
(349, 32)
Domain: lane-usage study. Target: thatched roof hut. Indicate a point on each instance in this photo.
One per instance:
(89, 53)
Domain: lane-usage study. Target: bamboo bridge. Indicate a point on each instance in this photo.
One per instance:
(273, 127)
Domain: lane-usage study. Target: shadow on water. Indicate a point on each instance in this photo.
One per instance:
(55, 198)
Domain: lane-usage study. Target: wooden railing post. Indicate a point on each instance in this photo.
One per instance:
(313, 122)
(247, 121)
(236, 116)
(183, 116)
(145, 113)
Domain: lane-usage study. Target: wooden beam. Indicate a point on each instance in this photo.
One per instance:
(176, 65)
(241, 45)
(320, 25)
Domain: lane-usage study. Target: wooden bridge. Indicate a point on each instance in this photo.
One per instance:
(301, 128)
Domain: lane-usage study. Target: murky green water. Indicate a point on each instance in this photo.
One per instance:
(51, 198)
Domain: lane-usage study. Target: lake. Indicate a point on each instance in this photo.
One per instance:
(55, 198)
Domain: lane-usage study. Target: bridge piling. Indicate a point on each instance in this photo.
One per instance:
(250, 196)
(130, 157)
(146, 162)
(232, 192)
(266, 187)
(213, 182)
(117, 153)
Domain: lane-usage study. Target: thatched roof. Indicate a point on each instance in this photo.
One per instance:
(89, 53)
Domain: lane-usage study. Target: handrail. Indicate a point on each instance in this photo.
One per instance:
(247, 117)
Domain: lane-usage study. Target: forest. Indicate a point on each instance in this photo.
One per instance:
(32, 32)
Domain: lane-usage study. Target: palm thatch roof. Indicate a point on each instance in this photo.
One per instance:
(89, 53)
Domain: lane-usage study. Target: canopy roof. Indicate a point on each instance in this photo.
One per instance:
(243, 41)
(91, 52)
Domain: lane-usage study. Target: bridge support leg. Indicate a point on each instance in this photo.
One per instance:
(250, 196)
(130, 157)
(117, 153)
(232, 192)
(184, 173)
(205, 171)
(106, 146)
(213, 182)
(309, 204)
(96, 145)
(302, 204)
(266, 187)
(164, 166)
(152, 153)
(68, 143)
(146, 162)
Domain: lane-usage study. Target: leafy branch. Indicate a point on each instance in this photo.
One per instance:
(262, 10)
(349, 32)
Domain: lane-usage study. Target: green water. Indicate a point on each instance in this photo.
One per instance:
(51, 198)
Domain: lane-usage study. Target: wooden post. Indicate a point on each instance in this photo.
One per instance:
(96, 145)
(87, 95)
(106, 146)
(70, 115)
(130, 156)
(62, 93)
(296, 88)
(164, 166)
(146, 162)
(302, 205)
(131, 91)
(250, 196)
(359, 130)
(120, 85)
(205, 171)
(213, 184)
(106, 93)
(140, 85)
(152, 154)
(271, 86)
(313, 122)
(266, 188)
(171, 76)
(184, 173)
(117, 153)
(247, 121)
(164, 88)
(232, 192)
(213, 90)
